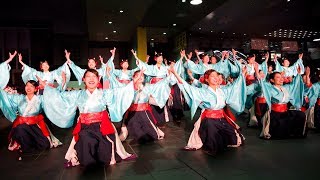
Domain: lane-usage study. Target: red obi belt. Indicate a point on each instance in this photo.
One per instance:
(143, 107)
(38, 119)
(89, 118)
(218, 114)
(279, 107)
(140, 107)
(250, 79)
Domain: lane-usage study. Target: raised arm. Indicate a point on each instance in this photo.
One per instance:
(5, 71)
(77, 71)
(11, 56)
(193, 95)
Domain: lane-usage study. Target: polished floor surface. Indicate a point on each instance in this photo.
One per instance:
(257, 159)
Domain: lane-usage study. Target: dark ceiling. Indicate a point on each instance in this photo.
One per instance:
(254, 18)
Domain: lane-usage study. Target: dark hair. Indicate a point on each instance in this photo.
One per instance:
(272, 75)
(41, 62)
(135, 73)
(157, 55)
(207, 74)
(250, 56)
(123, 61)
(92, 71)
(34, 83)
(94, 59)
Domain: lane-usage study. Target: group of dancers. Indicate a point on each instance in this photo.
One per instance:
(282, 102)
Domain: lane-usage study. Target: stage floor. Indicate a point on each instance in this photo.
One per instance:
(257, 159)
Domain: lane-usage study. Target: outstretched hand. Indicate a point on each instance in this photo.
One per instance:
(67, 55)
(134, 52)
(11, 56)
(113, 51)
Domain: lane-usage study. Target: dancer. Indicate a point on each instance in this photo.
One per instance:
(158, 72)
(216, 131)
(46, 75)
(95, 140)
(79, 72)
(279, 122)
(288, 71)
(29, 132)
(139, 121)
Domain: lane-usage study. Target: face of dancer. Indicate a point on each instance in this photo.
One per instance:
(91, 81)
(205, 59)
(92, 64)
(124, 65)
(30, 88)
(251, 60)
(277, 80)
(213, 79)
(140, 80)
(159, 59)
(286, 63)
(270, 69)
(213, 60)
(45, 66)
(261, 74)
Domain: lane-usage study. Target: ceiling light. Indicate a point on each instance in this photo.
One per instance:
(233, 33)
(152, 39)
(174, 24)
(114, 31)
(106, 38)
(110, 22)
(183, 0)
(199, 28)
(211, 31)
(222, 32)
(244, 34)
(121, 11)
(316, 40)
(288, 0)
(164, 33)
(265, 35)
(195, 2)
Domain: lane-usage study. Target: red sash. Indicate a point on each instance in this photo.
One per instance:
(143, 107)
(279, 107)
(99, 117)
(217, 114)
(38, 119)
(140, 107)
(250, 79)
